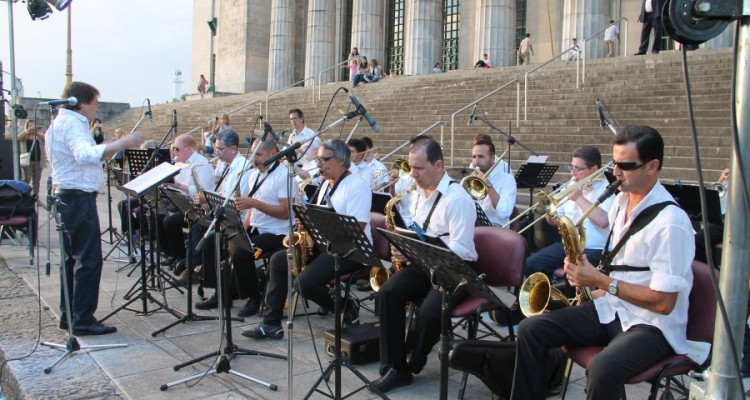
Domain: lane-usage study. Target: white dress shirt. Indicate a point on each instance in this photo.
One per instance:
(595, 236)
(505, 186)
(270, 191)
(401, 185)
(667, 246)
(75, 159)
(352, 197)
(453, 219)
(380, 173)
(203, 171)
(230, 180)
(364, 171)
(305, 134)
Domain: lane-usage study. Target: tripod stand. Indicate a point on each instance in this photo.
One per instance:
(138, 187)
(343, 238)
(114, 236)
(71, 345)
(228, 352)
(193, 214)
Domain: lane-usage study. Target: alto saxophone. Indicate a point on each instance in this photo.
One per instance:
(198, 187)
(300, 245)
(378, 276)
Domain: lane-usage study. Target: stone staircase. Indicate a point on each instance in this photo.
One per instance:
(637, 90)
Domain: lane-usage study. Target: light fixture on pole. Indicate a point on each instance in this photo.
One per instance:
(39, 9)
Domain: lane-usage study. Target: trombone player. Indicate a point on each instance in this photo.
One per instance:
(586, 160)
(639, 312)
(500, 185)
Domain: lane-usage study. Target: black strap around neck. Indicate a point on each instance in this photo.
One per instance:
(223, 175)
(432, 210)
(330, 190)
(257, 184)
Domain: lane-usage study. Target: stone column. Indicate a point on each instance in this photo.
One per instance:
(423, 36)
(281, 45)
(581, 19)
(320, 51)
(496, 31)
(368, 34)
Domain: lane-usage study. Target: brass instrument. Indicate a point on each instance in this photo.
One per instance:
(537, 294)
(401, 166)
(378, 276)
(476, 186)
(719, 187)
(301, 244)
(198, 187)
(550, 202)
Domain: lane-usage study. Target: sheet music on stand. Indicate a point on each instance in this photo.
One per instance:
(150, 179)
(533, 175)
(137, 159)
(189, 208)
(232, 221)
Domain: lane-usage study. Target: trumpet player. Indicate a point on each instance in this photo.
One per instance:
(501, 186)
(346, 194)
(359, 166)
(306, 154)
(585, 161)
(640, 310)
(441, 207)
(380, 171)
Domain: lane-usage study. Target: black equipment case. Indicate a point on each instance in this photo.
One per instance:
(359, 343)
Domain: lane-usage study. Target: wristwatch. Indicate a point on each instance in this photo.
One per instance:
(612, 288)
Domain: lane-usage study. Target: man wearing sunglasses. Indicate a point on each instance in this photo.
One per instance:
(639, 311)
(585, 161)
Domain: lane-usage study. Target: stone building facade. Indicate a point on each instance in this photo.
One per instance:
(271, 44)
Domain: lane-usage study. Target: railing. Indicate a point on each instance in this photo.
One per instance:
(453, 116)
(260, 109)
(526, 80)
(583, 50)
(289, 87)
(422, 132)
(320, 75)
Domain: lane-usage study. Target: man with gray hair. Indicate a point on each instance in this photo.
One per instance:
(346, 194)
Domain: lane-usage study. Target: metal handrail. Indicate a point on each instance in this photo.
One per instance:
(453, 116)
(583, 49)
(260, 109)
(422, 132)
(526, 80)
(289, 87)
(320, 75)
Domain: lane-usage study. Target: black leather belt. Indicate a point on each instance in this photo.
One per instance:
(75, 192)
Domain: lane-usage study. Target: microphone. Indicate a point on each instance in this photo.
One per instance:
(473, 115)
(282, 153)
(150, 115)
(250, 140)
(174, 122)
(602, 121)
(69, 101)
(363, 111)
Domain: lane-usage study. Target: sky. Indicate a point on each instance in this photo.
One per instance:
(128, 49)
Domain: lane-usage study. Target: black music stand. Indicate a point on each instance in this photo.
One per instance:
(379, 200)
(343, 238)
(531, 176)
(227, 218)
(138, 187)
(482, 218)
(114, 236)
(193, 214)
(448, 273)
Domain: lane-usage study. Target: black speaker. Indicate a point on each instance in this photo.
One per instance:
(6, 159)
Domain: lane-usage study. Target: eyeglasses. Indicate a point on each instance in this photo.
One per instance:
(628, 165)
(572, 168)
(220, 150)
(176, 149)
(323, 160)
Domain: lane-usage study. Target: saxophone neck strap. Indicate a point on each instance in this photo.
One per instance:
(644, 218)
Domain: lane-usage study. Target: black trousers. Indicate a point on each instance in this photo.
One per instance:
(651, 22)
(313, 283)
(122, 207)
(625, 355)
(83, 257)
(170, 235)
(409, 285)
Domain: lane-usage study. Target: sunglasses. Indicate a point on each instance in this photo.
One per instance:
(629, 165)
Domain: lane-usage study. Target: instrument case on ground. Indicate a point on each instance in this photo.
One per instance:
(359, 343)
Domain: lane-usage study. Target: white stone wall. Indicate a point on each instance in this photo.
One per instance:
(201, 55)
(495, 31)
(423, 36)
(281, 46)
(320, 50)
(368, 23)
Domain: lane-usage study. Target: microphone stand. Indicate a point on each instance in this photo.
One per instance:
(510, 139)
(354, 128)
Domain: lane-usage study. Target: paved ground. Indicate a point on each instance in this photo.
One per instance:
(139, 370)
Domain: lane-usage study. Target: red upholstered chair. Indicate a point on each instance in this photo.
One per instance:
(17, 210)
(515, 225)
(501, 257)
(700, 328)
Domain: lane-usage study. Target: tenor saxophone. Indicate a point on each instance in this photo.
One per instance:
(300, 245)
(198, 187)
(378, 276)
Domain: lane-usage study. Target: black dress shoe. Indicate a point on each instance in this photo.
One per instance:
(392, 379)
(212, 302)
(63, 324)
(640, 53)
(179, 266)
(251, 307)
(94, 329)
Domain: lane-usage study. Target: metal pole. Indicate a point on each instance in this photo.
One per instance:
(69, 66)
(13, 95)
(736, 249)
(212, 59)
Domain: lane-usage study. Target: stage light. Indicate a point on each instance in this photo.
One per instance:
(38, 9)
(60, 4)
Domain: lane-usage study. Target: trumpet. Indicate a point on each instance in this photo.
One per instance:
(550, 202)
(476, 186)
(402, 167)
(719, 187)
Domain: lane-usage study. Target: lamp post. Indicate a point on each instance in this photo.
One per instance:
(69, 64)
(13, 93)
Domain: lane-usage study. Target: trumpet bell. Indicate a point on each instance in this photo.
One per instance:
(378, 276)
(475, 186)
(538, 295)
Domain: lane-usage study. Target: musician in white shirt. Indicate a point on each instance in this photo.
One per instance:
(306, 153)
(501, 186)
(440, 207)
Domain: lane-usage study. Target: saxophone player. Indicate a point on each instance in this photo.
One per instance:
(266, 219)
(585, 161)
(170, 230)
(347, 194)
(501, 185)
(640, 310)
(440, 207)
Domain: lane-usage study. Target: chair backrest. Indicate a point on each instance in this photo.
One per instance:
(514, 226)
(501, 255)
(382, 248)
(702, 308)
